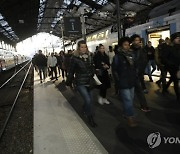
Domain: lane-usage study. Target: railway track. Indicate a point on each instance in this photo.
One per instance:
(9, 94)
(8, 73)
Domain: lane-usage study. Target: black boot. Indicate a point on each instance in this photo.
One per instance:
(91, 121)
(150, 79)
(158, 83)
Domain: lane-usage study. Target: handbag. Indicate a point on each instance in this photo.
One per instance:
(98, 82)
(99, 72)
(94, 82)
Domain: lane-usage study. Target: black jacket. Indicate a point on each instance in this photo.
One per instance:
(81, 70)
(140, 56)
(41, 60)
(58, 60)
(102, 74)
(124, 70)
(163, 53)
(67, 61)
(172, 57)
(150, 52)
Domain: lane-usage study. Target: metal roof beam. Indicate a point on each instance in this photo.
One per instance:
(56, 8)
(139, 3)
(103, 20)
(150, 1)
(92, 4)
(11, 36)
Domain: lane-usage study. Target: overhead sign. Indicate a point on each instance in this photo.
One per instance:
(155, 36)
(72, 26)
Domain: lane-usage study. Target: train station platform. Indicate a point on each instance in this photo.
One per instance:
(60, 127)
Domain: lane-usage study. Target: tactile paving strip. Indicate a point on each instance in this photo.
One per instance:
(79, 140)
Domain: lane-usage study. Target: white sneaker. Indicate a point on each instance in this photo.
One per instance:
(100, 100)
(106, 101)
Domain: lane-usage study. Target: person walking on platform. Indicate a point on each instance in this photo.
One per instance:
(41, 63)
(52, 62)
(111, 55)
(58, 62)
(33, 62)
(124, 72)
(162, 51)
(172, 61)
(101, 61)
(81, 72)
(116, 87)
(140, 58)
(151, 59)
(61, 66)
(67, 60)
(141, 62)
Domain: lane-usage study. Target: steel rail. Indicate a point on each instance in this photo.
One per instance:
(14, 103)
(13, 75)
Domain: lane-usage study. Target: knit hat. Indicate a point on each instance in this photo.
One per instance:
(174, 36)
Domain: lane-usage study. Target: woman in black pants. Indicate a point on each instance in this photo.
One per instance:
(101, 61)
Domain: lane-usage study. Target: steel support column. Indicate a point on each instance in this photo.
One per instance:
(118, 20)
(62, 33)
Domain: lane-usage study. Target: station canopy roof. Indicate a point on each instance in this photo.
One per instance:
(20, 19)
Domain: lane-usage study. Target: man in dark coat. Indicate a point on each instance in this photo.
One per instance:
(172, 61)
(162, 53)
(140, 58)
(41, 62)
(151, 59)
(141, 62)
(67, 61)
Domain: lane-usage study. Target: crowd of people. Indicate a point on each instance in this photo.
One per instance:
(55, 65)
(125, 67)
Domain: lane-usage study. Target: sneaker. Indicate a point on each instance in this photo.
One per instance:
(41, 81)
(131, 122)
(145, 109)
(106, 101)
(100, 100)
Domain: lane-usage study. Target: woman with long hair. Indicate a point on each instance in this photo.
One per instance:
(81, 72)
(101, 61)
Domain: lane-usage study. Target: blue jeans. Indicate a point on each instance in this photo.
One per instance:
(85, 92)
(127, 96)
